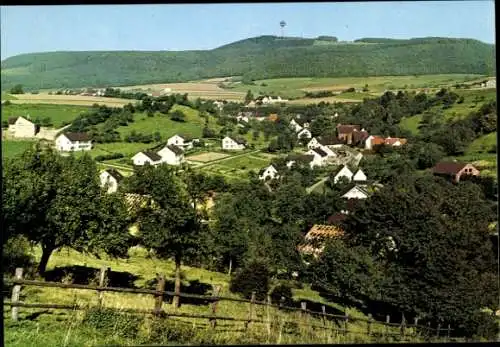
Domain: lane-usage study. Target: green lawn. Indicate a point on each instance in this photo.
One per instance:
(57, 113)
(247, 162)
(411, 123)
(11, 148)
(482, 144)
(148, 125)
(292, 87)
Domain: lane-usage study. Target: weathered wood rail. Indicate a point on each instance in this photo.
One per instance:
(406, 331)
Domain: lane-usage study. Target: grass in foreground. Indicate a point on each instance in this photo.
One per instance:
(14, 148)
(38, 327)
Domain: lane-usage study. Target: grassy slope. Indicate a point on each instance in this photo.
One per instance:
(66, 325)
(58, 113)
(12, 148)
(457, 110)
(262, 58)
(6, 96)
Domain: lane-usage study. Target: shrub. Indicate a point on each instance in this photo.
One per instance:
(282, 290)
(5, 124)
(178, 116)
(113, 322)
(6, 103)
(16, 253)
(109, 156)
(164, 330)
(252, 277)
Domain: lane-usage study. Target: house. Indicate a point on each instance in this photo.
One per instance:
(242, 118)
(70, 142)
(342, 172)
(359, 137)
(146, 157)
(345, 132)
(395, 141)
(357, 192)
(232, 143)
(22, 127)
(372, 141)
(172, 155)
(319, 156)
(359, 176)
(454, 170)
(297, 159)
(326, 143)
(184, 142)
(268, 173)
(304, 134)
(491, 83)
(110, 178)
(266, 100)
(317, 235)
(295, 125)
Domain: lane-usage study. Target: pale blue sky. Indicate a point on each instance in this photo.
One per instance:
(26, 29)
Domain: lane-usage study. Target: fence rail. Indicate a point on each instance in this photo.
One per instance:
(159, 293)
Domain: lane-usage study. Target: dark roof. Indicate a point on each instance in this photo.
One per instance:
(346, 128)
(330, 140)
(12, 120)
(238, 140)
(359, 136)
(448, 168)
(152, 155)
(362, 189)
(77, 136)
(175, 149)
(337, 217)
(320, 151)
(115, 174)
(306, 158)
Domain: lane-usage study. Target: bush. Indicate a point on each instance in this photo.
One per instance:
(178, 116)
(16, 253)
(164, 331)
(6, 103)
(282, 290)
(109, 156)
(252, 277)
(5, 124)
(113, 322)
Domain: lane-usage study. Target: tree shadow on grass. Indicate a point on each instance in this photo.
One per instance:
(85, 275)
(194, 287)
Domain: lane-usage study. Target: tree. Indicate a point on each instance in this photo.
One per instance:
(57, 202)
(169, 225)
(178, 116)
(249, 97)
(17, 89)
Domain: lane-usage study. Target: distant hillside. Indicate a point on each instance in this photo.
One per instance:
(258, 58)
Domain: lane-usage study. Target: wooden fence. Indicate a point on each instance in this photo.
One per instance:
(405, 331)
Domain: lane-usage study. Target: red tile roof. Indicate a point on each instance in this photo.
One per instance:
(448, 168)
(347, 128)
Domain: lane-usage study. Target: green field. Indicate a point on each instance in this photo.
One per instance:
(473, 99)
(11, 148)
(59, 114)
(296, 87)
(165, 126)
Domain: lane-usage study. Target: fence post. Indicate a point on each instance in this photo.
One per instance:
(282, 321)
(346, 321)
(102, 278)
(16, 291)
(250, 313)
(402, 326)
(415, 324)
(429, 333)
(213, 321)
(387, 321)
(160, 288)
(323, 320)
(369, 325)
(449, 333)
(303, 316)
(268, 312)
(438, 330)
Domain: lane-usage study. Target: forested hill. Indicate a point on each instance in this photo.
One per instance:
(257, 58)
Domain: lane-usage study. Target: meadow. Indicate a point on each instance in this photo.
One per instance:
(40, 327)
(75, 100)
(296, 87)
(59, 114)
(13, 148)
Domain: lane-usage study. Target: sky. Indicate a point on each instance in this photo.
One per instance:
(27, 29)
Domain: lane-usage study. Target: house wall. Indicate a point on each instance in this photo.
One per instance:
(22, 128)
(229, 144)
(467, 170)
(354, 194)
(359, 176)
(345, 172)
(111, 182)
(140, 159)
(63, 144)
